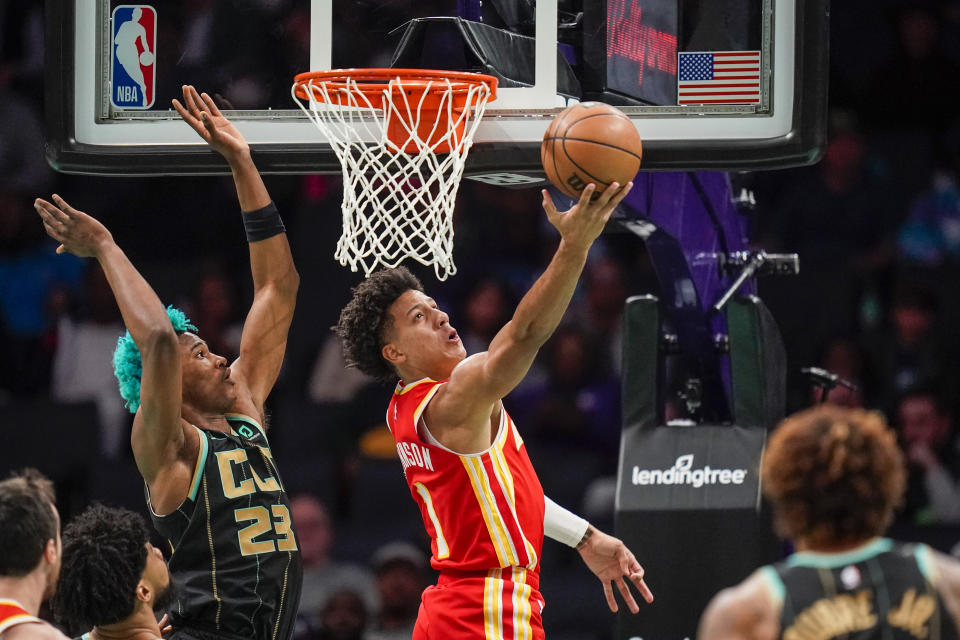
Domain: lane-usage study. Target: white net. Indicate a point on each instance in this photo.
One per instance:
(399, 190)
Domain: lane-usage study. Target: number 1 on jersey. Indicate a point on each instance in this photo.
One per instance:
(443, 551)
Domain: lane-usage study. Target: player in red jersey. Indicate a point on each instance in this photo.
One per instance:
(463, 458)
(30, 552)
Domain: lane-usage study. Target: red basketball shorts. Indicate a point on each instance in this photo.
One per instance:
(501, 604)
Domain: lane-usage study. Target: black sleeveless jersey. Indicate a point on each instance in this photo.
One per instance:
(881, 591)
(236, 562)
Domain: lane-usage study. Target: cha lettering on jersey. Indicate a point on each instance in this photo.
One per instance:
(412, 454)
(850, 613)
(239, 477)
(913, 613)
(833, 617)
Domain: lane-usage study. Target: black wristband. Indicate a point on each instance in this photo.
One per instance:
(586, 536)
(263, 223)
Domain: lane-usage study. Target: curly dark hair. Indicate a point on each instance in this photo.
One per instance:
(365, 321)
(834, 475)
(27, 501)
(104, 555)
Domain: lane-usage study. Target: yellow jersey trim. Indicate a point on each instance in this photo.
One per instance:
(404, 388)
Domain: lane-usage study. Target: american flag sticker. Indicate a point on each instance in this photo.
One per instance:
(718, 77)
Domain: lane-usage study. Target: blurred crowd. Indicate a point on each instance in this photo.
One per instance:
(876, 223)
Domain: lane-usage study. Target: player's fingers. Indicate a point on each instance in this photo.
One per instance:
(48, 222)
(43, 207)
(192, 99)
(627, 596)
(548, 206)
(53, 233)
(612, 205)
(208, 123)
(628, 563)
(642, 587)
(621, 194)
(63, 210)
(586, 195)
(46, 215)
(184, 113)
(605, 196)
(211, 105)
(188, 100)
(611, 601)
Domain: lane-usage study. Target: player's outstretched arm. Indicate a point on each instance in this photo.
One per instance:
(607, 557)
(275, 279)
(611, 561)
(158, 437)
(485, 378)
(744, 612)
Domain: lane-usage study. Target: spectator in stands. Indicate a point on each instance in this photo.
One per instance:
(839, 216)
(931, 234)
(33, 285)
(919, 69)
(578, 403)
(400, 569)
(82, 364)
(908, 352)
(843, 357)
(486, 309)
(344, 617)
(214, 311)
(323, 576)
(929, 441)
(600, 311)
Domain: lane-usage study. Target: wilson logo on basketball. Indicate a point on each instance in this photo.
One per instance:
(682, 472)
(576, 183)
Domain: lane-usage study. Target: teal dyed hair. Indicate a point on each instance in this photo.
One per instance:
(127, 365)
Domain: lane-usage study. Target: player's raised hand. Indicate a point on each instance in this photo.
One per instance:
(76, 232)
(164, 624)
(585, 220)
(202, 114)
(610, 560)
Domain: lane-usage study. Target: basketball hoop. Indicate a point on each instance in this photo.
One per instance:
(402, 137)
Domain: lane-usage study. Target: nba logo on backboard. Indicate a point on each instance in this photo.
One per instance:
(132, 70)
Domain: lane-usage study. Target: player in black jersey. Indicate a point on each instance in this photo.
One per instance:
(834, 477)
(198, 435)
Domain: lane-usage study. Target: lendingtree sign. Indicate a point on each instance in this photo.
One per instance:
(683, 472)
(690, 468)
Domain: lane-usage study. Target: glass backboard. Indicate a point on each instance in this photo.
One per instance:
(709, 84)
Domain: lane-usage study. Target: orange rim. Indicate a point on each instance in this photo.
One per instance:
(372, 82)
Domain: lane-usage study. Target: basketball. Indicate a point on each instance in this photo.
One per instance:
(146, 58)
(590, 142)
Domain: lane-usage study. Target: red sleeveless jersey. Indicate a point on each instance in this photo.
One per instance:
(483, 511)
(12, 614)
